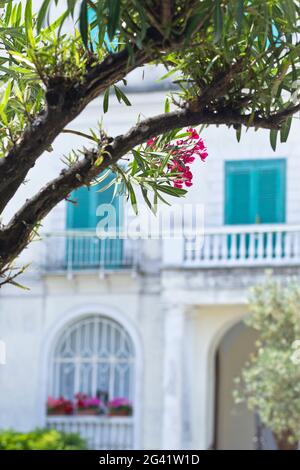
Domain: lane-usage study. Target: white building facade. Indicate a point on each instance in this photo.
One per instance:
(162, 325)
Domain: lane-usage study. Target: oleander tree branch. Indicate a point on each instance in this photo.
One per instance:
(16, 235)
(166, 12)
(64, 104)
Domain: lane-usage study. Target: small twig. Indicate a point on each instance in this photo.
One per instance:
(80, 134)
(10, 279)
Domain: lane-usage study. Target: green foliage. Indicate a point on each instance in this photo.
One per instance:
(270, 381)
(27, 64)
(40, 439)
(263, 37)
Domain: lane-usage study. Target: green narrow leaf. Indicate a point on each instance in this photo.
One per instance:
(218, 21)
(285, 130)
(290, 11)
(42, 15)
(107, 186)
(132, 197)
(83, 23)
(146, 199)
(240, 14)
(8, 10)
(139, 159)
(177, 192)
(168, 74)
(273, 138)
(167, 105)
(71, 6)
(159, 196)
(114, 12)
(121, 96)
(6, 96)
(192, 25)
(29, 23)
(106, 100)
(20, 286)
(19, 14)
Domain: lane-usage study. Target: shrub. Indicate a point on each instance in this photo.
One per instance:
(270, 381)
(40, 439)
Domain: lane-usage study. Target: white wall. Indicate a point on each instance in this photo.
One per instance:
(222, 145)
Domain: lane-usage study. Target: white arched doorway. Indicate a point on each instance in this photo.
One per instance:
(96, 353)
(235, 427)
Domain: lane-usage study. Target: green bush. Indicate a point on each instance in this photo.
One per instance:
(40, 439)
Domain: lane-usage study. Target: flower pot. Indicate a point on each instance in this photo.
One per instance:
(119, 412)
(57, 413)
(87, 412)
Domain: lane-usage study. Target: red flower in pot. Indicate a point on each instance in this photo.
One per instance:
(59, 406)
(86, 405)
(119, 407)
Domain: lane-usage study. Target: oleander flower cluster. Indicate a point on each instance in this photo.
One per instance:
(183, 152)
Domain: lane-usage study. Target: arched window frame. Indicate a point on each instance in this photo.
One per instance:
(99, 355)
(49, 342)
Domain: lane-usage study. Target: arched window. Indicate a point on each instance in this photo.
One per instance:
(94, 356)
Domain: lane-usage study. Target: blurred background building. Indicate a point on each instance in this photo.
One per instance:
(156, 322)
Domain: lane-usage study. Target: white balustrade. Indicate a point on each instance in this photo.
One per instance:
(100, 433)
(248, 245)
(71, 251)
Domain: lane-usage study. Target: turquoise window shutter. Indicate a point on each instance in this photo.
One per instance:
(271, 192)
(255, 191)
(80, 213)
(87, 252)
(238, 204)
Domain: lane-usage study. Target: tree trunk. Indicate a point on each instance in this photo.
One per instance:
(283, 442)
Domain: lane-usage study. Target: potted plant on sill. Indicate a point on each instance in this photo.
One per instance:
(119, 407)
(59, 406)
(87, 406)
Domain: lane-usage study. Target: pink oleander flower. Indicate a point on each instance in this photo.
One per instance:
(184, 153)
(194, 133)
(151, 142)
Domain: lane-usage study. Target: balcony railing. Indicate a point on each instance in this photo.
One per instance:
(249, 245)
(78, 251)
(100, 433)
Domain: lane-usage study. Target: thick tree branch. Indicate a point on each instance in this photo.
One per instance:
(16, 235)
(64, 104)
(166, 12)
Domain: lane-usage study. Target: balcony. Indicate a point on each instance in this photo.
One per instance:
(220, 247)
(82, 251)
(100, 433)
(243, 246)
